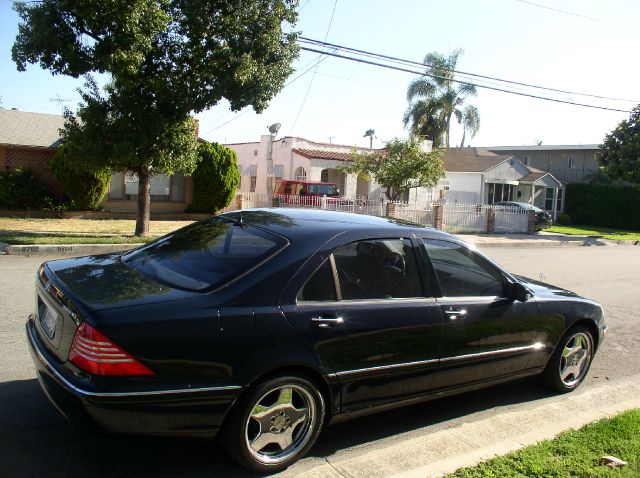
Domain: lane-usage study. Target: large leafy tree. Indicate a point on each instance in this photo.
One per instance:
(619, 154)
(435, 97)
(401, 165)
(166, 59)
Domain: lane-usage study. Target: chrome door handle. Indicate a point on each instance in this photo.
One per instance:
(325, 322)
(455, 314)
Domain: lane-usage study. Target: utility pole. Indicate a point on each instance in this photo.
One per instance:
(330, 138)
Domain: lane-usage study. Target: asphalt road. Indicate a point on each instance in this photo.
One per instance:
(36, 441)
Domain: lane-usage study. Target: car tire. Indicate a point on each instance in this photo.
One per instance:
(570, 361)
(274, 423)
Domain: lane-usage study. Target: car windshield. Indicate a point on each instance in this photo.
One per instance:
(207, 254)
(323, 189)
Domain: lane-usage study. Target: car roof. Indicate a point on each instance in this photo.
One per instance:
(321, 225)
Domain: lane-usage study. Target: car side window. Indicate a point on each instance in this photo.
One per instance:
(461, 272)
(378, 269)
(320, 286)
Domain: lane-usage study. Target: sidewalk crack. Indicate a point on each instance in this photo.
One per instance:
(336, 469)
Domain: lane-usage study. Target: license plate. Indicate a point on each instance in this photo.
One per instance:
(48, 322)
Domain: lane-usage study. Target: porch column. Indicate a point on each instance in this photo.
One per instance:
(555, 203)
(350, 185)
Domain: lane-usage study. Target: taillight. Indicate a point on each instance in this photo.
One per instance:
(94, 353)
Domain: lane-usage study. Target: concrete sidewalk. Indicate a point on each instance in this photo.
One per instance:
(542, 239)
(468, 443)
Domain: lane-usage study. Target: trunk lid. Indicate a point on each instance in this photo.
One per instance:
(69, 290)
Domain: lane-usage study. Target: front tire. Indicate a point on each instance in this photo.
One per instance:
(274, 424)
(571, 360)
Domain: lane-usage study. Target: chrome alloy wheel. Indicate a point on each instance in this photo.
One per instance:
(280, 424)
(575, 358)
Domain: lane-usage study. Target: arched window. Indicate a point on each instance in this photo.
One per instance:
(300, 174)
(324, 176)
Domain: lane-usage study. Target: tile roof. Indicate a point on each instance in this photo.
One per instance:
(323, 154)
(21, 128)
(470, 160)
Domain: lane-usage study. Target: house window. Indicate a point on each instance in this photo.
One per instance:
(300, 174)
(252, 184)
(526, 160)
(572, 162)
(278, 171)
(324, 176)
(548, 203)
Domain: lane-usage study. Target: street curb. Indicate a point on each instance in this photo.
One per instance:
(67, 249)
(479, 242)
(468, 443)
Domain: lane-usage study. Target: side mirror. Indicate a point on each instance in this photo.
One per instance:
(518, 292)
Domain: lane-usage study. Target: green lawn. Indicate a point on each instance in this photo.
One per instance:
(21, 231)
(604, 232)
(571, 454)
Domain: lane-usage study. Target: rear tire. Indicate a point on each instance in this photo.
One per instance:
(570, 361)
(274, 424)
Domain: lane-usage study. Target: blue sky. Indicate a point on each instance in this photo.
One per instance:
(594, 50)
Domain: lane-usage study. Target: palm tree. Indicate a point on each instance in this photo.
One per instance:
(469, 118)
(370, 133)
(435, 97)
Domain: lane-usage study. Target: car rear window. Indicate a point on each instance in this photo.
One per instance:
(207, 254)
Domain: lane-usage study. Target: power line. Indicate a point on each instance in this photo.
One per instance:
(574, 14)
(319, 59)
(304, 100)
(473, 75)
(502, 90)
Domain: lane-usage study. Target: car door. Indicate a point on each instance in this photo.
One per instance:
(486, 335)
(365, 310)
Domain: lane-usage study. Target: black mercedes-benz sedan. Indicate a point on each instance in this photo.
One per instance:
(261, 326)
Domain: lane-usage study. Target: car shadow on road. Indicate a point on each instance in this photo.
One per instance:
(35, 440)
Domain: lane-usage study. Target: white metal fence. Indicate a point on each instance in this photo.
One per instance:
(451, 217)
(470, 218)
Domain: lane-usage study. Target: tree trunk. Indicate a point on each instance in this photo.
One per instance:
(144, 201)
(464, 134)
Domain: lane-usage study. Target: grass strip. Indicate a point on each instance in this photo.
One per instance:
(574, 453)
(604, 232)
(21, 238)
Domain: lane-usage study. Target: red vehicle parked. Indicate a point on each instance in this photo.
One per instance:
(308, 192)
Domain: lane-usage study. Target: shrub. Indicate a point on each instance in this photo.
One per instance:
(215, 179)
(22, 189)
(85, 189)
(604, 205)
(564, 219)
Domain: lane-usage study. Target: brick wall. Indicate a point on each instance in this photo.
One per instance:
(35, 159)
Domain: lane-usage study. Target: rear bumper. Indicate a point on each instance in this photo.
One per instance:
(152, 411)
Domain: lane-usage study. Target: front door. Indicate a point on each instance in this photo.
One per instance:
(366, 312)
(486, 335)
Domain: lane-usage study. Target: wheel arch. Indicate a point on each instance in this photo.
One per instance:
(591, 326)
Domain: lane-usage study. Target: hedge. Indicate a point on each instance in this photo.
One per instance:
(604, 205)
(22, 189)
(85, 189)
(215, 179)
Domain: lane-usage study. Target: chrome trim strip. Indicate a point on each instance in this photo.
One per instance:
(385, 367)
(63, 381)
(528, 348)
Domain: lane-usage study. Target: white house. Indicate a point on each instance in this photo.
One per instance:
(472, 175)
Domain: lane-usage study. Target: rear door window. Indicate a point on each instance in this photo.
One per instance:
(461, 272)
(378, 269)
(206, 254)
